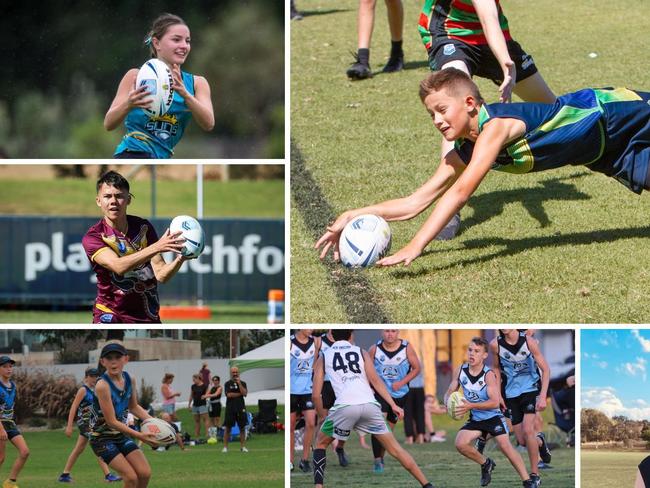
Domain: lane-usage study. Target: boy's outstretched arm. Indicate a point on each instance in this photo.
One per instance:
(404, 208)
(494, 136)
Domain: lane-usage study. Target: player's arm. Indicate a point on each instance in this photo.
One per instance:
(200, 104)
(317, 345)
(103, 394)
(488, 15)
(81, 392)
(490, 403)
(404, 208)
(165, 271)
(379, 386)
(317, 387)
(495, 135)
(107, 258)
(453, 385)
(127, 98)
(496, 367)
(134, 406)
(533, 346)
(242, 387)
(415, 368)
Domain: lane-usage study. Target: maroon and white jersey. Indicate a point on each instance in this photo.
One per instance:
(128, 298)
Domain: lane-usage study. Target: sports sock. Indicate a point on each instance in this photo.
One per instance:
(396, 49)
(319, 466)
(339, 449)
(376, 447)
(364, 56)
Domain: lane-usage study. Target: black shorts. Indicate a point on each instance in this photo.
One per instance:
(391, 417)
(84, 430)
(494, 425)
(479, 59)
(328, 395)
(214, 410)
(519, 406)
(133, 155)
(108, 449)
(300, 403)
(11, 429)
(233, 417)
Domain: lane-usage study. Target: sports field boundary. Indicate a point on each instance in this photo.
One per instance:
(353, 290)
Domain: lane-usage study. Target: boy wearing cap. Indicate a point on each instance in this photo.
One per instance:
(110, 436)
(82, 409)
(8, 428)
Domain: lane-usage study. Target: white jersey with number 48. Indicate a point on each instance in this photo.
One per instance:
(346, 370)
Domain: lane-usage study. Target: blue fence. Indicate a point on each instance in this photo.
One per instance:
(44, 261)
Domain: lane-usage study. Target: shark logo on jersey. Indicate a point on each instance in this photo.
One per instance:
(472, 397)
(389, 372)
(303, 366)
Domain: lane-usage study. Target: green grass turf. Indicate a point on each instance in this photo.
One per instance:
(203, 466)
(563, 246)
(440, 462)
(238, 198)
(254, 313)
(609, 469)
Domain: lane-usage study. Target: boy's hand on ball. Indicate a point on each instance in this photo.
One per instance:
(405, 255)
(170, 242)
(138, 97)
(149, 439)
(330, 239)
(462, 408)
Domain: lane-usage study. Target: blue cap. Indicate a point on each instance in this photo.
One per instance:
(5, 360)
(92, 372)
(113, 347)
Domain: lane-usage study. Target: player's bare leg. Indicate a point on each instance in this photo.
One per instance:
(393, 448)
(21, 459)
(141, 467)
(534, 89)
(503, 441)
(310, 425)
(527, 436)
(465, 445)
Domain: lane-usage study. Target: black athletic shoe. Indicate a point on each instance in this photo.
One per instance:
(486, 472)
(304, 466)
(544, 451)
(528, 484)
(295, 15)
(343, 459)
(395, 63)
(480, 444)
(358, 70)
(428, 485)
(537, 481)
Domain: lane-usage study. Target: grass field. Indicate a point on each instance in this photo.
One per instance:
(221, 314)
(609, 469)
(441, 463)
(238, 198)
(203, 466)
(564, 246)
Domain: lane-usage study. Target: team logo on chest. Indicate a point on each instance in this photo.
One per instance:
(163, 127)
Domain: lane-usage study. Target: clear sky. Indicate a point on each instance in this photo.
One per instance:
(614, 371)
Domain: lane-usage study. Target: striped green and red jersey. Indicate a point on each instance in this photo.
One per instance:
(455, 19)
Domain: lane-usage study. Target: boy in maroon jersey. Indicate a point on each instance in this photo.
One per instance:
(125, 252)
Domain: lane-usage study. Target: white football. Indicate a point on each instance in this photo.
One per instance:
(454, 400)
(157, 77)
(364, 240)
(192, 232)
(163, 431)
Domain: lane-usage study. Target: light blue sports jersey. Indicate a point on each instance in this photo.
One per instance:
(120, 399)
(325, 344)
(302, 366)
(158, 135)
(84, 412)
(475, 391)
(392, 366)
(7, 401)
(519, 373)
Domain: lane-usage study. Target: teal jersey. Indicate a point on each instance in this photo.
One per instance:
(519, 372)
(84, 412)
(475, 391)
(392, 366)
(7, 401)
(120, 398)
(607, 130)
(158, 135)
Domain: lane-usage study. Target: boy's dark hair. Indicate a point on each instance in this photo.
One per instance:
(216, 378)
(113, 178)
(479, 341)
(341, 334)
(455, 81)
(159, 28)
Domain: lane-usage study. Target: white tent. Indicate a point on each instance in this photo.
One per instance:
(267, 379)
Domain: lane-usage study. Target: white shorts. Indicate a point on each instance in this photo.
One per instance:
(343, 419)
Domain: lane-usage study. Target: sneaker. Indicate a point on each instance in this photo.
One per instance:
(394, 64)
(243, 449)
(65, 478)
(542, 465)
(437, 438)
(359, 70)
(544, 451)
(304, 466)
(537, 481)
(486, 472)
(378, 467)
(225, 449)
(528, 484)
(110, 477)
(9, 484)
(291, 467)
(343, 459)
(480, 444)
(295, 15)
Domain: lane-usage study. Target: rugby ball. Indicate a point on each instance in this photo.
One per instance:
(157, 77)
(454, 400)
(163, 432)
(364, 240)
(192, 232)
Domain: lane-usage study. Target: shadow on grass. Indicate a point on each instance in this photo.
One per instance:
(314, 13)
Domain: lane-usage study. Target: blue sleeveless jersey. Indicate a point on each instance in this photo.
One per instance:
(519, 372)
(475, 391)
(84, 412)
(607, 130)
(7, 401)
(392, 366)
(158, 135)
(120, 400)
(302, 366)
